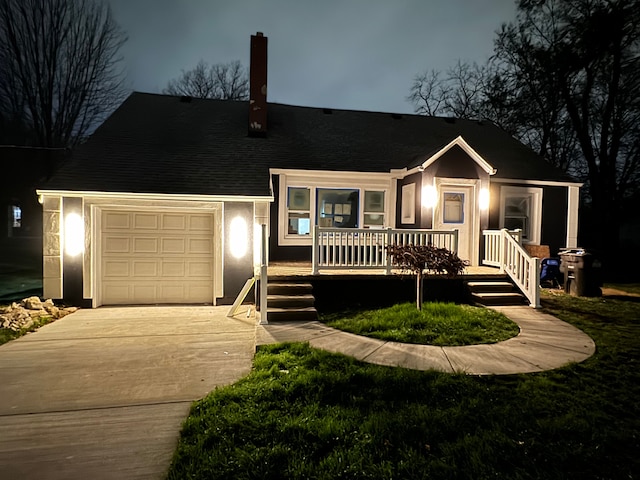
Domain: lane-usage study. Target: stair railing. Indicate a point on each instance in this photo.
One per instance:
(503, 249)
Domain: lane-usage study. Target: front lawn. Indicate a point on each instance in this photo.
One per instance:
(629, 288)
(304, 413)
(441, 324)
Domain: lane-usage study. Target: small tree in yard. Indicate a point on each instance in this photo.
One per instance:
(426, 258)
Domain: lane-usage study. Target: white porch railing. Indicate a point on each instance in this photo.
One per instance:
(502, 249)
(365, 248)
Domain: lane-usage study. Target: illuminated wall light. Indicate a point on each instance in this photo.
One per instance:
(483, 199)
(73, 234)
(429, 196)
(238, 237)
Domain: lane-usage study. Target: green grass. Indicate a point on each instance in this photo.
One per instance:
(7, 335)
(304, 413)
(440, 324)
(633, 288)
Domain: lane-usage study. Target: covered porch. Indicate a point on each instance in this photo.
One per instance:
(352, 266)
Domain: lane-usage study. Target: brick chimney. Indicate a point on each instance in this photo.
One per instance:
(258, 86)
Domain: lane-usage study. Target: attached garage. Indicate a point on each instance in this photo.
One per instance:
(151, 257)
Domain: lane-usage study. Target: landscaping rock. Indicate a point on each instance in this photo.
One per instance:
(22, 315)
(32, 303)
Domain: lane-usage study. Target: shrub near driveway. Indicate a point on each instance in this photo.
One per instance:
(440, 324)
(305, 413)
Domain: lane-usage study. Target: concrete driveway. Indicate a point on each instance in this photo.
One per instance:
(102, 393)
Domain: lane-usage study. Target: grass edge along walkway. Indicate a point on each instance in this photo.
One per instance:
(544, 343)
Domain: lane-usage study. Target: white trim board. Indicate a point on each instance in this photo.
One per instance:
(459, 141)
(542, 183)
(157, 196)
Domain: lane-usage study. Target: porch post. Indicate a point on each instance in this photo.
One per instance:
(314, 251)
(534, 282)
(386, 254)
(264, 277)
(573, 204)
(503, 248)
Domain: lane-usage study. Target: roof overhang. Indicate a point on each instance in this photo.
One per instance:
(330, 174)
(156, 196)
(542, 183)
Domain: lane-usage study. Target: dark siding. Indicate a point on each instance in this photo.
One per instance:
(417, 179)
(455, 163)
(72, 265)
(494, 206)
(236, 270)
(277, 252)
(554, 218)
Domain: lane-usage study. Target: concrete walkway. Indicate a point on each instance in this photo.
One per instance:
(102, 394)
(544, 343)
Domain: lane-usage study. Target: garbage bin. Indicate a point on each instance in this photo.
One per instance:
(581, 271)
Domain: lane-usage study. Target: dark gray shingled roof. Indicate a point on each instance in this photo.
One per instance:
(160, 144)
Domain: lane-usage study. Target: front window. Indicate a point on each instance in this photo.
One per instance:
(517, 215)
(374, 209)
(337, 207)
(521, 209)
(16, 216)
(336, 200)
(298, 208)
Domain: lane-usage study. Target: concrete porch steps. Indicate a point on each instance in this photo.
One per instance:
(495, 292)
(290, 301)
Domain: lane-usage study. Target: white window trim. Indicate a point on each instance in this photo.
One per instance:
(408, 207)
(315, 179)
(536, 209)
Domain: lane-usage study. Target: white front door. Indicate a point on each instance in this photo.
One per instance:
(456, 210)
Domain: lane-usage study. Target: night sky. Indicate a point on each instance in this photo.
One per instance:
(350, 54)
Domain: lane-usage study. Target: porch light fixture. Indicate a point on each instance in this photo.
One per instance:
(238, 237)
(483, 199)
(429, 196)
(73, 234)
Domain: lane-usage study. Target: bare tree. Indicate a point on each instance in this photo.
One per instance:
(60, 70)
(226, 81)
(459, 93)
(584, 57)
(429, 93)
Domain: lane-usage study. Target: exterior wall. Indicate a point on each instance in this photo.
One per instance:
(76, 279)
(237, 270)
(285, 246)
(554, 219)
(52, 247)
(277, 252)
(415, 179)
(455, 163)
(456, 167)
(72, 264)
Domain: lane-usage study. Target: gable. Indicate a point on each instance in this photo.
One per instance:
(455, 163)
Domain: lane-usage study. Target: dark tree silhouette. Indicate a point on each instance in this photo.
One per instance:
(59, 67)
(225, 81)
(565, 79)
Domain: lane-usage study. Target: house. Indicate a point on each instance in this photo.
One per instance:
(163, 204)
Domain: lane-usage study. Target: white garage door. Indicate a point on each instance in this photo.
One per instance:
(152, 257)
